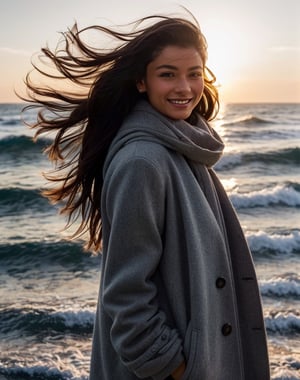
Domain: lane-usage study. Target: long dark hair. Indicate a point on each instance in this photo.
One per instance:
(86, 119)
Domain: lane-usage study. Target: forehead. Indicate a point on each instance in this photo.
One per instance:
(178, 56)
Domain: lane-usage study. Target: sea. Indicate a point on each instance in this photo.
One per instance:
(49, 284)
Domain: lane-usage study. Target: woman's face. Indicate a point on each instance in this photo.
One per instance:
(174, 81)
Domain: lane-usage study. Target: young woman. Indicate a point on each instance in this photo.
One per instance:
(134, 153)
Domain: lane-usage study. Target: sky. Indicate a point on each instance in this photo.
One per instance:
(253, 46)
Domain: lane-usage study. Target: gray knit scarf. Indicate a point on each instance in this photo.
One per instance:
(199, 144)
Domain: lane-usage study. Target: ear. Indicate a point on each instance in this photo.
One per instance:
(141, 86)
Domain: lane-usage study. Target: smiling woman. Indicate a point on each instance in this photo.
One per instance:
(134, 160)
(174, 81)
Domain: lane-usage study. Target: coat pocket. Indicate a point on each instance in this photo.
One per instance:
(192, 353)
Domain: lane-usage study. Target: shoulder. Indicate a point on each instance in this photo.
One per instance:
(144, 155)
(135, 177)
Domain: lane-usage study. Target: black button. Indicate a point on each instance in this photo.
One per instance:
(226, 329)
(164, 337)
(220, 282)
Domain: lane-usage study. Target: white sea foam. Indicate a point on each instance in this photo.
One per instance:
(283, 323)
(75, 318)
(279, 243)
(278, 195)
(280, 287)
(285, 374)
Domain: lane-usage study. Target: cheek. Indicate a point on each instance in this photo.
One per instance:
(199, 87)
(159, 87)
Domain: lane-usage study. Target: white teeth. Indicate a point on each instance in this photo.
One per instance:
(179, 101)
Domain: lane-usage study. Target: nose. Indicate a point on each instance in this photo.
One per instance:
(183, 85)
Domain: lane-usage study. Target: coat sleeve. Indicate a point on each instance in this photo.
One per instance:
(133, 201)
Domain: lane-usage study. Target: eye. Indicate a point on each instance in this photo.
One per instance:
(166, 74)
(196, 74)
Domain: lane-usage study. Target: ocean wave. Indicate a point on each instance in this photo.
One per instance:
(248, 120)
(39, 372)
(282, 156)
(282, 195)
(10, 121)
(17, 200)
(239, 135)
(261, 242)
(286, 156)
(33, 321)
(286, 287)
(285, 323)
(16, 146)
(28, 256)
(285, 374)
(229, 161)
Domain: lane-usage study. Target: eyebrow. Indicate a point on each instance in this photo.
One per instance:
(171, 67)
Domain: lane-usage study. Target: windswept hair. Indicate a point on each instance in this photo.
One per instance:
(86, 119)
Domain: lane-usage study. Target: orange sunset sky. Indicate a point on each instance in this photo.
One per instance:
(253, 46)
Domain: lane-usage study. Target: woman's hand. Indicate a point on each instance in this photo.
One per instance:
(179, 371)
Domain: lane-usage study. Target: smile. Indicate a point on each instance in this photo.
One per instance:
(181, 102)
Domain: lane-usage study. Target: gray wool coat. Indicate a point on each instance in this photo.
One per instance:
(177, 278)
